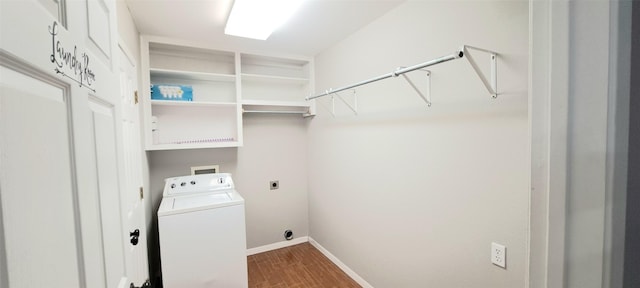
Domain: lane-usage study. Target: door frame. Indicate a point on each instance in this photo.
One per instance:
(549, 116)
(132, 59)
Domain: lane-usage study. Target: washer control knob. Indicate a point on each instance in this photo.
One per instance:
(173, 185)
(193, 182)
(183, 184)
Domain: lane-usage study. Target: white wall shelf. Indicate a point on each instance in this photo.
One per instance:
(190, 75)
(191, 103)
(274, 79)
(275, 85)
(225, 85)
(181, 146)
(277, 107)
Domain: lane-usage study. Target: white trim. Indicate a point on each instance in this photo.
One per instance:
(277, 245)
(548, 128)
(127, 52)
(340, 265)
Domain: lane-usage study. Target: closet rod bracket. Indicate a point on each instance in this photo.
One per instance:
(492, 83)
(427, 98)
(353, 107)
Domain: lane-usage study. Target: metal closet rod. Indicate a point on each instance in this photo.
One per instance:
(398, 72)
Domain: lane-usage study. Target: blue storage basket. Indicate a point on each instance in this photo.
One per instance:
(171, 92)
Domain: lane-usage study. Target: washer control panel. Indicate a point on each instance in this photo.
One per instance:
(192, 184)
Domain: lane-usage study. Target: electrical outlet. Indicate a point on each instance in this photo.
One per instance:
(499, 255)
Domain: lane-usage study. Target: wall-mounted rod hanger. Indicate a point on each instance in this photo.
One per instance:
(493, 86)
(396, 73)
(427, 98)
(353, 107)
(463, 51)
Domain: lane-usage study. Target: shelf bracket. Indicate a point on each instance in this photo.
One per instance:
(353, 107)
(492, 86)
(334, 95)
(427, 98)
(332, 110)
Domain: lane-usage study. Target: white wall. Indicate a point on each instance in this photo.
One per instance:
(275, 148)
(410, 196)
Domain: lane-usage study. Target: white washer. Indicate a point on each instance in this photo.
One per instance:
(201, 226)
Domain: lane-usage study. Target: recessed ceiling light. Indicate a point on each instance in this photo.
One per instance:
(257, 19)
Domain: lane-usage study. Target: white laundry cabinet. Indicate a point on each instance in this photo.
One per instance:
(225, 85)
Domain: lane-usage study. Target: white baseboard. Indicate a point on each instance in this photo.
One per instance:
(277, 245)
(340, 265)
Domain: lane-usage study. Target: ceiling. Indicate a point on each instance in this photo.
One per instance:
(316, 25)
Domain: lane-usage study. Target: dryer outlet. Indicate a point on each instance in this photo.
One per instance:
(288, 235)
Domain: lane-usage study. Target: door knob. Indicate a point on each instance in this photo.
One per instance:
(146, 284)
(134, 237)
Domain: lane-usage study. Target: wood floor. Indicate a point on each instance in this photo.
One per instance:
(300, 266)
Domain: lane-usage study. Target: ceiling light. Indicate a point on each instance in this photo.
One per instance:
(257, 19)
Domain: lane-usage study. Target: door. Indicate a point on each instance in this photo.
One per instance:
(60, 149)
(132, 194)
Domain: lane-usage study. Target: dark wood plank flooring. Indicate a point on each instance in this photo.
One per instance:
(300, 266)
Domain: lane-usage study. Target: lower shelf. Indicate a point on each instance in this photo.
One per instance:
(306, 109)
(194, 145)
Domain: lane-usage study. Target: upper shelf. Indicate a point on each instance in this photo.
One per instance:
(274, 79)
(190, 75)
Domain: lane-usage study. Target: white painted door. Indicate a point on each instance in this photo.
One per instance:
(60, 149)
(132, 194)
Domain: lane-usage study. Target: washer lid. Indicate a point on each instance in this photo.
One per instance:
(196, 202)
